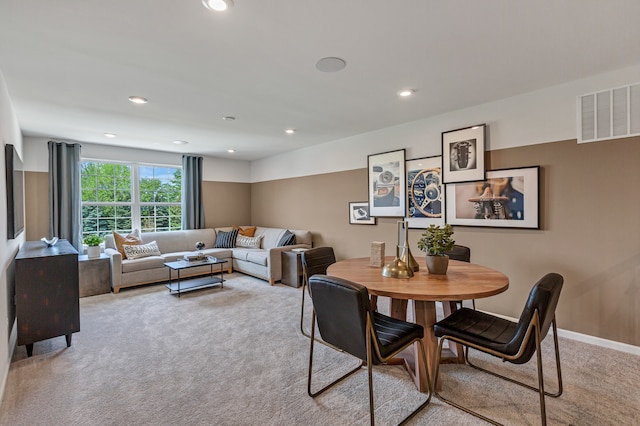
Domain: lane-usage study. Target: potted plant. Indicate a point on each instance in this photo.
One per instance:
(93, 245)
(435, 242)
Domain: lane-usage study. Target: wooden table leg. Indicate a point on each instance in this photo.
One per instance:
(425, 312)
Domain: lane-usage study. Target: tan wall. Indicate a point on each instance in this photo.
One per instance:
(590, 204)
(36, 205)
(226, 203)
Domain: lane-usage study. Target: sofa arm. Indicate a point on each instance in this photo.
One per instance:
(115, 262)
(274, 266)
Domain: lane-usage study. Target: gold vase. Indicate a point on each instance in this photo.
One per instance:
(397, 268)
(407, 257)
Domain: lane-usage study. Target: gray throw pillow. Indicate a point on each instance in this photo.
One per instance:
(226, 239)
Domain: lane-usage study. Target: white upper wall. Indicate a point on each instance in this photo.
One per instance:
(542, 116)
(215, 169)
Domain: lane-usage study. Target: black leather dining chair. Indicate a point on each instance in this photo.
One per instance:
(314, 261)
(347, 323)
(512, 342)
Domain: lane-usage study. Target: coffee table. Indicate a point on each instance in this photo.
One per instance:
(194, 283)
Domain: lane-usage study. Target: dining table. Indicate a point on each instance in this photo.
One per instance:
(418, 295)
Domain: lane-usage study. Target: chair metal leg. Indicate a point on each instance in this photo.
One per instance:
(423, 356)
(533, 388)
(539, 389)
(304, 287)
(312, 339)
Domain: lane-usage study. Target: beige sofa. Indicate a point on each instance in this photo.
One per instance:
(173, 245)
(264, 262)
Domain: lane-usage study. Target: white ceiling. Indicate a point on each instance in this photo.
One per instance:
(70, 65)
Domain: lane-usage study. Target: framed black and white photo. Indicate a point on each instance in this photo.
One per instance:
(508, 198)
(387, 184)
(425, 192)
(359, 214)
(463, 154)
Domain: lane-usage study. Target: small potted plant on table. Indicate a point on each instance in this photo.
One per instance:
(93, 245)
(435, 242)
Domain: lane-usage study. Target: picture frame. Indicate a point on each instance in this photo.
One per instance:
(425, 192)
(359, 213)
(15, 192)
(463, 154)
(507, 198)
(387, 184)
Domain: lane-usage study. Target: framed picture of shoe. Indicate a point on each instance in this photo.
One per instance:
(463, 154)
(508, 198)
(359, 214)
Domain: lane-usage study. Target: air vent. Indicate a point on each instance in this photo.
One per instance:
(609, 114)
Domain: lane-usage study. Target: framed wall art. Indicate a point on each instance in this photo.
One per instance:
(387, 183)
(508, 198)
(425, 192)
(463, 154)
(359, 214)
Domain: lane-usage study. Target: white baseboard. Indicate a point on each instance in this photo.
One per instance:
(611, 344)
(585, 338)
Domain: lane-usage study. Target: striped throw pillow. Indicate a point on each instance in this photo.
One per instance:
(226, 239)
(141, 250)
(288, 239)
(248, 242)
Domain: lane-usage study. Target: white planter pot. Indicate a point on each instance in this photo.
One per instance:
(93, 251)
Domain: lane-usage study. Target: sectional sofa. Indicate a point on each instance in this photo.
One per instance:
(263, 260)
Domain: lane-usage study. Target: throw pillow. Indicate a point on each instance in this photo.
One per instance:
(141, 250)
(288, 239)
(248, 242)
(226, 239)
(131, 239)
(249, 232)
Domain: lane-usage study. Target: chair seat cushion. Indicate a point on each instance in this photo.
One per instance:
(394, 334)
(480, 328)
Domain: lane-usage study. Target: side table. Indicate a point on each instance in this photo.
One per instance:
(292, 268)
(94, 275)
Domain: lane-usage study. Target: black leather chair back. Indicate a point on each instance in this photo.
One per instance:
(341, 309)
(461, 253)
(317, 260)
(544, 297)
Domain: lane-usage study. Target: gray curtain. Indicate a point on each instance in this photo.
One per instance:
(192, 207)
(65, 214)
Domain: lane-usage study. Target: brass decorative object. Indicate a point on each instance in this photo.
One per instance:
(397, 268)
(407, 257)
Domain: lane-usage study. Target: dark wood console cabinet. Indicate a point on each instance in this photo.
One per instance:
(47, 292)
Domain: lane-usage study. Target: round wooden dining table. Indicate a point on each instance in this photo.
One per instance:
(463, 281)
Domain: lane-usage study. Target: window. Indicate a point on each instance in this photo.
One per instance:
(121, 197)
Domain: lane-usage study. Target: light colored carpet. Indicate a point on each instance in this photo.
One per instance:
(235, 356)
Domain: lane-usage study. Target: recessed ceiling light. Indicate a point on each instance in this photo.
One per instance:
(228, 118)
(290, 131)
(217, 5)
(330, 64)
(110, 135)
(406, 92)
(138, 99)
(180, 142)
(231, 151)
